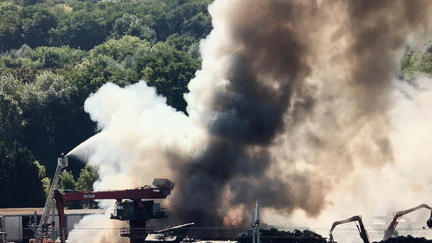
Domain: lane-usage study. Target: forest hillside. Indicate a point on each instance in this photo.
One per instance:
(55, 53)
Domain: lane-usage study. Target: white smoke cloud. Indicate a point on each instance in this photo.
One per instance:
(137, 130)
(97, 228)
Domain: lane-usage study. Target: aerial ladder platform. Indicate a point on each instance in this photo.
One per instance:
(44, 229)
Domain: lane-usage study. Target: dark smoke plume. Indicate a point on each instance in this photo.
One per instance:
(248, 115)
(266, 96)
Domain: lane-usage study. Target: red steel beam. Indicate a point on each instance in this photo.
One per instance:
(139, 193)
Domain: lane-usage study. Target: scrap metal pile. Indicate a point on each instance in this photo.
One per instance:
(276, 236)
(406, 239)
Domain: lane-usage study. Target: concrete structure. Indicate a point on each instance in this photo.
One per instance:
(14, 222)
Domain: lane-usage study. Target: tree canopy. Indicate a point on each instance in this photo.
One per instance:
(55, 53)
(20, 185)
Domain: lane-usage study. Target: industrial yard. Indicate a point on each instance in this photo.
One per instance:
(137, 207)
(14, 224)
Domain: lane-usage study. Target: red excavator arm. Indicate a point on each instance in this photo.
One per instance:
(360, 227)
(394, 222)
(162, 190)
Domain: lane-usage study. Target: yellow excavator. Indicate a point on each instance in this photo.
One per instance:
(360, 227)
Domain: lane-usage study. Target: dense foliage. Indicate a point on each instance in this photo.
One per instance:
(84, 182)
(85, 24)
(417, 60)
(55, 53)
(19, 177)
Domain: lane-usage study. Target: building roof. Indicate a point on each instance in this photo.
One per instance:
(39, 211)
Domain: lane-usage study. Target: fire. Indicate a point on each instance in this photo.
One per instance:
(234, 217)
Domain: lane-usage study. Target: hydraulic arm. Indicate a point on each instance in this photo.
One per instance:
(360, 227)
(398, 215)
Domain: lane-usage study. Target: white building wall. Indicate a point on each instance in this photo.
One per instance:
(13, 226)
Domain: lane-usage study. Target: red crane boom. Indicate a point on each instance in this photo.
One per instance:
(162, 190)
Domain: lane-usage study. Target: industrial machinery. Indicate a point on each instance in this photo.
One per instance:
(390, 230)
(169, 234)
(360, 227)
(136, 210)
(44, 228)
(256, 223)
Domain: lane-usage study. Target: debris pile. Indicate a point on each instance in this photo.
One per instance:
(275, 236)
(407, 239)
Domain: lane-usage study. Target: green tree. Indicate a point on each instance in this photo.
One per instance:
(10, 118)
(111, 61)
(27, 2)
(46, 184)
(46, 181)
(169, 70)
(185, 43)
(55, 120)
(120, 49)
(37, 21)
(67, 181)
(14, 67)
(10, 26)
(11, 114)
(87, 178)
(85, 182)
(199, 26)
(130, 24)
(414, 62)
(92, 73)
(20, 185)
(183, 17)
(41, 170)
(81, 29)
(425, 63)
(53, 57)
